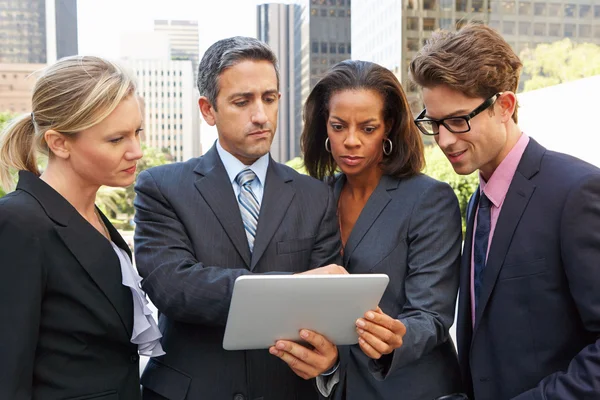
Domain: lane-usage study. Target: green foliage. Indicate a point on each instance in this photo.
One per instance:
(558, 62)
(439, 167)
(4, 118)
(297, 164)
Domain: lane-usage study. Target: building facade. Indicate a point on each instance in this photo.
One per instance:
(280, 25)
(16, 86)
(171, 117)
(183, 39)
(37, 31)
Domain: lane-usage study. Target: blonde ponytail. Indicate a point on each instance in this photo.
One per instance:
(18, 149)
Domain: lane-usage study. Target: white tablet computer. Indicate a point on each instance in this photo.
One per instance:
(266, 308)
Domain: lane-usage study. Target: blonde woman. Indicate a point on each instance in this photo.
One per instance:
(73, 318)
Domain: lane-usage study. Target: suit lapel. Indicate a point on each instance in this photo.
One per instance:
(519, 193)
(277, 196)
(95, 253)
(375, 205)
(214, 186)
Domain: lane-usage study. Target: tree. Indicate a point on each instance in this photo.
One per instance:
(439, 167)
(563, 61)
(297, 164)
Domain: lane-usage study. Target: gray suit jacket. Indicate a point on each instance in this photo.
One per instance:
(409, 229)
(190, 246)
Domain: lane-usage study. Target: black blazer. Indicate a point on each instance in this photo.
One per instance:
(190, 246)
(410, 229)
(66, 318)
(538, 323)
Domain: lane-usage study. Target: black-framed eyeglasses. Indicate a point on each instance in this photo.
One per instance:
(456, 124)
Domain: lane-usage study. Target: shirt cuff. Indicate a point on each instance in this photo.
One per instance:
(326, 383)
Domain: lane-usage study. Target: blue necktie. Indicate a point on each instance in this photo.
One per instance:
(249, 205)
(480, 245)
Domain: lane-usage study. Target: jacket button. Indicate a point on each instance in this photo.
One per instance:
(239, 397)
(134, 358)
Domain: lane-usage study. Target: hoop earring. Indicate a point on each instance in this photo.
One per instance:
(327, 145)
(389, 151)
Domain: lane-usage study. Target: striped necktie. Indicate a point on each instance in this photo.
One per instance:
(249, 205)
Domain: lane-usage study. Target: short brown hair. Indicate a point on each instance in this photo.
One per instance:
(407, 157)
(475, 61)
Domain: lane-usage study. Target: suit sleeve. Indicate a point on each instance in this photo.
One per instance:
(431, 283)
(580, 247)
(326, 249)
(21, 290)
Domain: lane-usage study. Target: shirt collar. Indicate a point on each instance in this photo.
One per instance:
(497, 186)
(233, 166)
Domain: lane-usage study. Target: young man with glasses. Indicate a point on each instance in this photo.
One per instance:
(529, 304)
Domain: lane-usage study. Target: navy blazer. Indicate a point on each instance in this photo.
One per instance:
(66, 319)
(190, 246)
(538, 323)
(409, 229)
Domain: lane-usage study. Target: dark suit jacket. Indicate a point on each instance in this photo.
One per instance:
(410, 229)
(190, 247)
(66, 318)
(538, 322)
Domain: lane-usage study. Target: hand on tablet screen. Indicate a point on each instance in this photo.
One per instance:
(307, 363)
(331, 269)
(379, 334)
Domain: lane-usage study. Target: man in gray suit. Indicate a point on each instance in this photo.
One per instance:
(232, 212)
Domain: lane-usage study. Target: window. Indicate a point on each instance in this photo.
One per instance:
(508, 7)
(412, 23)
(569, 30)
(349, 48)
(315, 47)
(342, 48)
(524, 8)
(584, 10)
(446, 23)
(323, 12)
(429, 4)
(585, 31)
(446, 5)
(411, 5)
(539, 8)
(412, 44)
(596, 12)
(597, 31)
(570, 10)
(494, 24)
(332, 13)
(341, 13)
(554, 30)
(524, 28)
(477, 6)
(323, 48)
(428, 24)
(332, 48)
(539, 29)
(508, 28)
(554, 10)
(313, 12)
(461, 5)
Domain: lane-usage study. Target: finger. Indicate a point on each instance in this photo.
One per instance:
(319, 342)
(309, 357)
(386, 321)
(377, 344)
(368, 350)
(299, 367)
(383, 334)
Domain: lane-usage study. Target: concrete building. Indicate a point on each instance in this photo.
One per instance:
(16, 86)
(168, 88)
(37, 31)
(390, 32)
(183, 39)
(170, 106)
(279, 25)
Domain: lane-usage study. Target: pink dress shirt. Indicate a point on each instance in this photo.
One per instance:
(496, 189)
